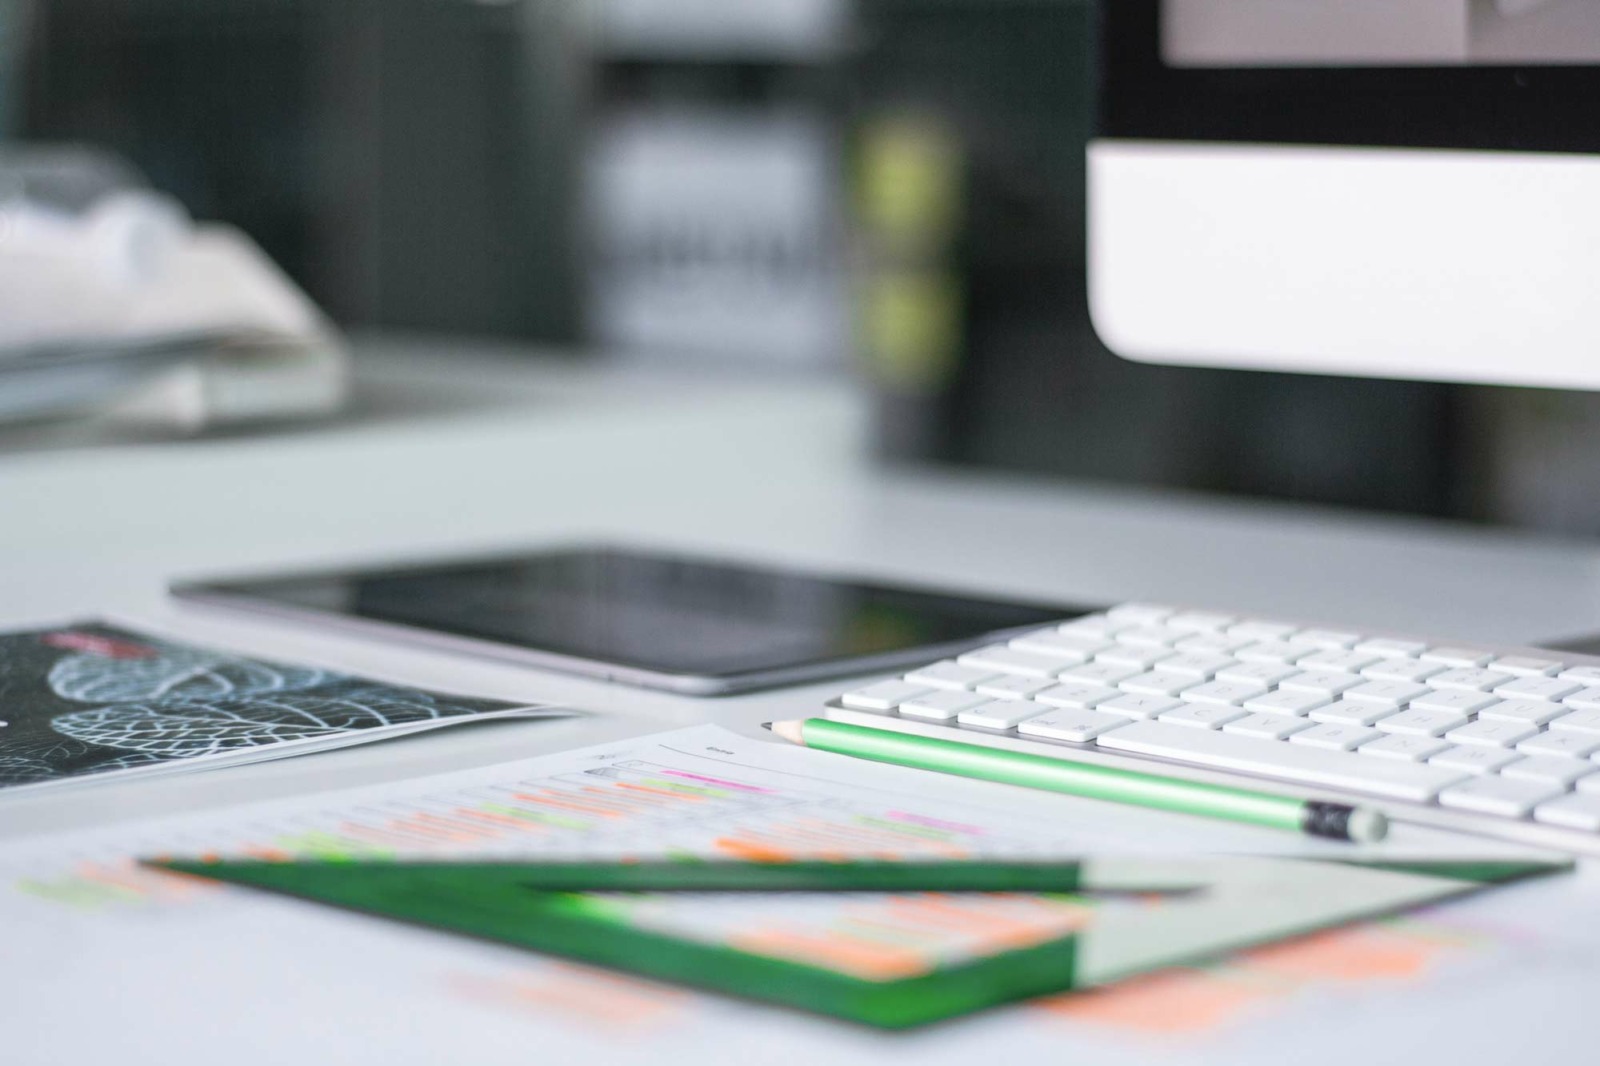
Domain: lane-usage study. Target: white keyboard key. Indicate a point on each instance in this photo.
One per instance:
(1150, 636)
(1527, 666)
(950, 675)
(1201, 621)
(1335, 737)
(1459, 701)
(1327, 682)
(1254, 630)
(1346, 662)
(1394, 694)
(1350, 712)
(1586, 700)
(1532, 712)
(1068, 724)
(1212, 644)
(1506, 797)
(1266, 726)
(1571, 812)
(1141, 614)
(1091, 627)
(1473, 759)
(1577, 722)
(1330, 639)
(1286, 701)
(1415, 782)
(1157, 683)
(1098, 673)
(1056, 645)
(1228, 693)
(1468, 680)
(1588, 675)
(1001, 714)
(1014, 687)
(1460, 657)
(884, 696)
(1139, 658)
(1402, 747)
(1386, 648)
(1013, 661)
(1260, 673)
(1203, 715)
(1080, 694)
(1198, 666)
(1570, 745)
(1133, 705)
(1423, 723)
(1493, 733)
(1551, 769)
(941, 706)
(1407, 670)
(1271, 651)
(1537, 688)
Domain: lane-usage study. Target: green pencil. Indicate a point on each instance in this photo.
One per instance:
(1337, 821)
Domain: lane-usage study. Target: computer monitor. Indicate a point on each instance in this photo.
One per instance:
(1385, 188)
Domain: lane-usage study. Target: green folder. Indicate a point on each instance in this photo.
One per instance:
(837, 953)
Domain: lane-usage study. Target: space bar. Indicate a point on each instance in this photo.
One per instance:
(1415, 782)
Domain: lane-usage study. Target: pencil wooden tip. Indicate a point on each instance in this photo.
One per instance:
(789, 731)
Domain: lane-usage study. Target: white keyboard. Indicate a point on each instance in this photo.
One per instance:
(1504, 743)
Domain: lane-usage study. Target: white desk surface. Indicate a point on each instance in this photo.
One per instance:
(458, 447)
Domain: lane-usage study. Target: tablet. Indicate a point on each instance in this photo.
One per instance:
(694, 626)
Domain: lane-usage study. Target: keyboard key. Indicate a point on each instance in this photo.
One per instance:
(1460, 657)
(1286, 701)
(1533, 712)
(1133, 705)
(1408, 670)
(1498, 795)
(1551, 769)
(1080, 694)
(1386, 648)
(1198, 666)
(1423, 723)
(1335, 737)
(949, 675)
(1001, 714)
(1403, 747)
(1150, 636)
(1091, 627)
(1098, 673)
(1212, 644)
(1586, 700)
(1345, 662)
(941, 706)
(1571, 812)
(1457, 701)
(1493, 733)
(1537, 688)
(1014, 687)
(1157, 683)
(1588, 675)
(1141, 614)
(1254, 630)
(1057, 645)
(1013, 661)
(1068, 724)
(1415, 782)
(1228, 693)
(1473, 759)
(1266, 726)
(1394, 694)
(884, 696)
(1138, 658)
(1351, 712)
(1271, 651)
(1468, 680)
(1202, 715)
(1570, 745)
(1527, 666)
(1201, 621)
(1331, 639)
(1260, 673)
(1577, 722)
(1328, 683)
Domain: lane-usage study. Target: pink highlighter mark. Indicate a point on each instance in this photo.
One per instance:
(110, 647)
(935, 823)
(715, 781)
